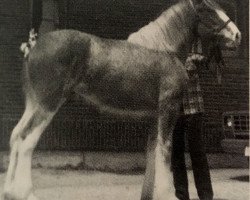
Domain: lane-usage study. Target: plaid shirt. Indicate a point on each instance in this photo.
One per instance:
(192, 98)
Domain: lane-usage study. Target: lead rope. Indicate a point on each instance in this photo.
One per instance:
(220, 63)
(199, 59)
(195, 57)
(215, 54)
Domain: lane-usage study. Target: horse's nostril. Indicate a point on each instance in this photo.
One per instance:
(238, 37)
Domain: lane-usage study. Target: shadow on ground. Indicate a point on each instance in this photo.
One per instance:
(81, 166)
(241, 178)
(213, 199)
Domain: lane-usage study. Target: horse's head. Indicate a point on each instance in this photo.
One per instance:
(214, 22)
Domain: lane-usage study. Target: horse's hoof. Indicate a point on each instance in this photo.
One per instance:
(9, 196)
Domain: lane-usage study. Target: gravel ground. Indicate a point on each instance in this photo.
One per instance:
(54, 184)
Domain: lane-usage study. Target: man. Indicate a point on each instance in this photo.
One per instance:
(190, 122)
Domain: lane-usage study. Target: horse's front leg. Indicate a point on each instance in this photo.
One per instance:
(148, 185)
(158, 182)
(164, 185)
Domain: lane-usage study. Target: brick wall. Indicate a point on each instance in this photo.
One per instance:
(231, 95)
(14, 20)
(113, 18)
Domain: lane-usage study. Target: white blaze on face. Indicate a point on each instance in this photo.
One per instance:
(230, 32)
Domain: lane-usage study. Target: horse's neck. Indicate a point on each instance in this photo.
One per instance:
(172, 31)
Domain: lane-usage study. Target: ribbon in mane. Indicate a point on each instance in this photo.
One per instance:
(26, 46)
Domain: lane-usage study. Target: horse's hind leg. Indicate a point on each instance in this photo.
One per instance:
(14, 146)
(24, 138)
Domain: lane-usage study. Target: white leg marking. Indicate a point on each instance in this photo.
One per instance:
(22, 184)
(11, 167)
(164, 187)
(18, 184)
(148, 184)
(14, 143)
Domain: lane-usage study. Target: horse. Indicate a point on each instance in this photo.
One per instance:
(119, 77)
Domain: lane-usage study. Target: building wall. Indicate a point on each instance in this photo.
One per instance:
(110, 19)
(233, 93)
(14, 26)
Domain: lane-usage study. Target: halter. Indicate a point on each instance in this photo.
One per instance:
(196, 48)
(223, 25)
(216, 30)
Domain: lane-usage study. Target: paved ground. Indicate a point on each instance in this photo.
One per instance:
(52, 184)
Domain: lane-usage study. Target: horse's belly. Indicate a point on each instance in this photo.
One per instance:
(118, 103)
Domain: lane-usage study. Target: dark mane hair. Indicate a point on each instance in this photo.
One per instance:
(212, 4)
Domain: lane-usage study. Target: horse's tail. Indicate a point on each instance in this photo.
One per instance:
(27, 46)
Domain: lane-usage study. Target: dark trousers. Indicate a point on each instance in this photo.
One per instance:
(193, 125)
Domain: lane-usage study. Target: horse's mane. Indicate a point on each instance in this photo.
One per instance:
(169, 29)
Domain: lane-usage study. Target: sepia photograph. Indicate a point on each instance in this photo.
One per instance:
(124, 100)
